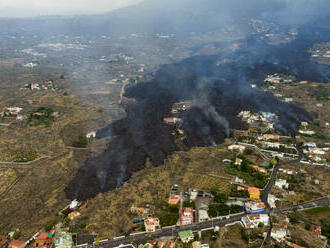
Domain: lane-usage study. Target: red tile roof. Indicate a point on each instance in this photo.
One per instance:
(43, 236)
(16, 243)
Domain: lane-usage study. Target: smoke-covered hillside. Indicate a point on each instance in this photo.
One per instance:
(179, 17)
(219, 90)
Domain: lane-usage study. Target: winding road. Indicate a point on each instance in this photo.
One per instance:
(273, 176)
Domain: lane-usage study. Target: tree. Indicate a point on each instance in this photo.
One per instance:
(293, 218)
(307, 226)
(245, 235)
(81, 143)
(248, 151)
(261, 224)
(16, 235)
(50, 225)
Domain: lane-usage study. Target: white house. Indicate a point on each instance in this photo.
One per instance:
(91, 134)
(239, 148)
(238, 161)
(271, 200)
(203, 215)
(253, 220)
(74, 204)
(278, 233)
(238, 180)
(287, 171)
(310, 144)
(307, 132)
(281, 183)
(151, 224)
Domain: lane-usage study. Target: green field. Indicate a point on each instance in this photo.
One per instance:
(317, 210)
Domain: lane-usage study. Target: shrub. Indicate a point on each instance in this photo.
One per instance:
(16, 235)
(82, 142)
(245, 235)
(50, 225)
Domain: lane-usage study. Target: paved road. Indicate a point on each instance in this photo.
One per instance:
(23, 164)
(173, 231)
(273, 176)
(312, 204)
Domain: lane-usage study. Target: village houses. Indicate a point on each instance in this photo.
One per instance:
(239, 148)
(151, 224)
(254, 207)
(187, 216)
(254, 193)
(253, 220)
(44, 240)
(281, 183)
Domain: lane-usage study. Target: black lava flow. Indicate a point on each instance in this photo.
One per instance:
(219, 91)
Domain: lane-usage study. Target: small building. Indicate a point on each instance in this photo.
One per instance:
(73, 215)
(272, 144)
(63, 240)
(186, 236)
(259, 169)
(310, 144)
(239, 148)
(74, 204)
(203, 215)
(254, 193)
(44, 240)
(272, 200)
(253, 220)
(254, 207)
(238, 180)
(91, 135)
(281, 183)
(278, 233)
(287, 171)
(151, 224)
(171, 120)
(269, 137)
(141, 211)
(316, 229)
(16, 244)
(238, 161)
(240, 188)
(196, 244)
(226, 161)
(34, 86)
(307, 132)
(174, 199)
(11, 111)
(304, 123)
(187, 216)
(193, 193)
